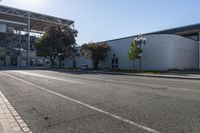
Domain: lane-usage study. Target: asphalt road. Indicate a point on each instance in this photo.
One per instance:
(56, 102)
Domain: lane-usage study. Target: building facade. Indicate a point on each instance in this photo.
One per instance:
(19, 30)
(177, 48)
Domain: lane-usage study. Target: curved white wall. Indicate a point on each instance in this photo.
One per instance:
(161, 52)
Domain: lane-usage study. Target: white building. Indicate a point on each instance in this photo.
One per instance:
(177, 48)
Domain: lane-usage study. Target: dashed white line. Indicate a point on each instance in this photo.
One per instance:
(86, 105)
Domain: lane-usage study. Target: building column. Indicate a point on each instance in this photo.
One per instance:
(8, 61)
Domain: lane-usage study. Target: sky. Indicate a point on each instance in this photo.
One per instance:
(101, 20)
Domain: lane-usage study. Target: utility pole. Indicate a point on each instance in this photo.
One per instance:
(6, 45)
(199, 48)
(28, 39)
(140, 40)
(140, 45)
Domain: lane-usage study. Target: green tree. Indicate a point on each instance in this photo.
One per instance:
(75, 57)
(134, 52)
(95, 51)
(56, 42)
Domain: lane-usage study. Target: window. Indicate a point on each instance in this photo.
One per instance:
(115, 62)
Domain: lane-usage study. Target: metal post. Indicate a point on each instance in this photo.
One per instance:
(6, 43)
(140, 57)
(140, 40)
(28, 39)
(199, 48)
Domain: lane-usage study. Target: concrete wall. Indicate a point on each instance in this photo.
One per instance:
(22, 59)
(161, 52)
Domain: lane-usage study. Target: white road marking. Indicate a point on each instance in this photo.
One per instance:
(114, 81)
(10, 120)
(87, 105)
(43, 76)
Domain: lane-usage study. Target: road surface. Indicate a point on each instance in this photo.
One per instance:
(57, 102)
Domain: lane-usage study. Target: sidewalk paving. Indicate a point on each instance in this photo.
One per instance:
(163, 75)
(10, 120)
(188, 75)
(172, 75)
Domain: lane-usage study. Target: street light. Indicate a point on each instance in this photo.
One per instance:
(140, 40)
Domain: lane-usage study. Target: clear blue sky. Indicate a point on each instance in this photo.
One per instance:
(99, 20)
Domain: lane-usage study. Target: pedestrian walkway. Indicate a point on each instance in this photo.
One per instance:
(171, 75)
(10, 120)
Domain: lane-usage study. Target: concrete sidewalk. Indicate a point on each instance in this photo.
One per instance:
(172, 75)
(10, 120)
(188, 75)
(163, 75)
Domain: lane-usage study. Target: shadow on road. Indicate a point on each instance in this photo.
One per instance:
(61, 70)
(94, 72)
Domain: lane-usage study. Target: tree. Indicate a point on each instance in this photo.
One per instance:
(95, 51)
(134, 52)
(56, 42)
(75, 57)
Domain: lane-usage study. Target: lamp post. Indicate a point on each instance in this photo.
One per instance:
(140, 40)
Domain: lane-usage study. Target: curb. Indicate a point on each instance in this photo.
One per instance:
(132, 74)
(12, 121)
(154, 76)
(164, 76)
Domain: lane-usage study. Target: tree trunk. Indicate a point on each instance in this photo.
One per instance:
(62, 62)
(52, 61)
(96, 64)
(74, 63)
(133, 66)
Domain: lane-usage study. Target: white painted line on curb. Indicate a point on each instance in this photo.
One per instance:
(43, 76)
(10, 119)
(87, 105)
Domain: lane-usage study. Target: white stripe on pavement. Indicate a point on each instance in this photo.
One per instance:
(87, 105)
(43, 76)
(110, 80)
